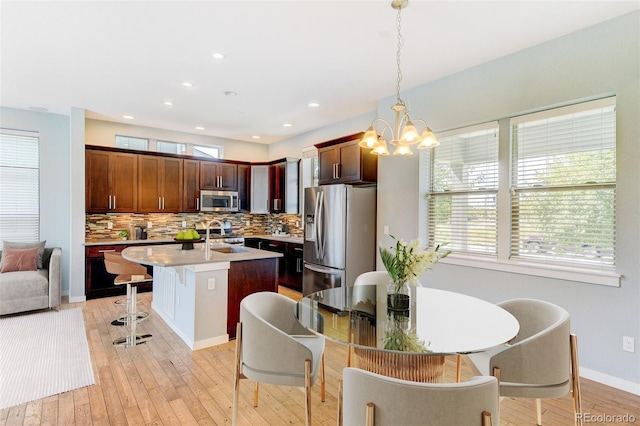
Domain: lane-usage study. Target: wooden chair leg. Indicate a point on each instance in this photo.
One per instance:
(370, 416)
(496, 374)
(322, 383)
(487, 419)
(339, 402)
(236, 381)
(575, 380)
(538, 412)
(307, 389)
(458, 367)
(256, 390)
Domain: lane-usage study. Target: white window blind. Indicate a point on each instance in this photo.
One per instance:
(128, 142)
(462, 199)
(19, 186)
(563, 184)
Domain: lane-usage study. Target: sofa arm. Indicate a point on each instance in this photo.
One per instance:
(55, 277)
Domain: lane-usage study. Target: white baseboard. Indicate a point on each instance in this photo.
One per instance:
(614, 382)
(77, 299)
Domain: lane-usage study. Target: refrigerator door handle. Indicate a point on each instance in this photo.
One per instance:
(320, 225)
(315, 228)
(322, 270)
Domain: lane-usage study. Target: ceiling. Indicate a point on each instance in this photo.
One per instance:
(130, 57)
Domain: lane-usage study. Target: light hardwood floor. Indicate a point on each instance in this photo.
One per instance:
(163, 382)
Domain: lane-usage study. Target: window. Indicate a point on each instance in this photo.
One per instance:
(171, 147)
(19, 186)
(551, 211)
(207, 151)
(129, 142)
(563, 184)
(462, 199)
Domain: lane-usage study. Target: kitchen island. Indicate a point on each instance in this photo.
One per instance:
(198, 293)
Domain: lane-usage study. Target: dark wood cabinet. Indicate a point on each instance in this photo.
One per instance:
(344, 161)
(98, 282)
(289, 265)
(277, 182)
(244, 187)
(218, 176)
(111, 182)
(191, 186)
(159, 184)
(245, 278)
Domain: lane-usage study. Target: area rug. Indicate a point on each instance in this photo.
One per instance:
(43, 354)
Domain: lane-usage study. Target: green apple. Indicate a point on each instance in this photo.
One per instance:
(180, 235)
(195, 235)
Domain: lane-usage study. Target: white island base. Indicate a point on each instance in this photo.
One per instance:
(192, 300)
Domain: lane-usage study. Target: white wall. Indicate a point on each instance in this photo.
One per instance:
(55, 178)
(598, 61)
(103, 133)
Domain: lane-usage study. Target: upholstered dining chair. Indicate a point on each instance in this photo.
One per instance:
(273, 347)
(372, 278)
(372, 399)
(130, 274)
(541, 361)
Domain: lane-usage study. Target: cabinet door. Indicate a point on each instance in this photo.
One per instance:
(98, 195)
(149, 184)
(208, 175)
(277, 182)
(191, 186)
(171, 185)
(244, 187)
(124, 177)
(228, 176)
(260, 189)
(294, 266)
(349, 169)
(328, 159)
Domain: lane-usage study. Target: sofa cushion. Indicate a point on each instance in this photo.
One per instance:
(12, 244)
(24, 284)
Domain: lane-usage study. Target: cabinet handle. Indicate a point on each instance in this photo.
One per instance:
(197, 203)
(259, 245)
(159, 204)
(105, 251)
(109, 198)
(299, 264)
(162, 203)
(337, 170)
(114, 202)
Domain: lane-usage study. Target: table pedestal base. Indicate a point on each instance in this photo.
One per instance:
(414, 367)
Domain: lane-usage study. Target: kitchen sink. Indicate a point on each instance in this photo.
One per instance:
(227, 249)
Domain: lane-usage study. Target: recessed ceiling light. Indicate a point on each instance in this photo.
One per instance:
(230, 93)
(287, 125)
(255, 137)
(218, 55)
(313, 104)
(199, 128)
(128, 117)
(187, 84)
(168, 103)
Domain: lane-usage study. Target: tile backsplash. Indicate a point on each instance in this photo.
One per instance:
(167, 225)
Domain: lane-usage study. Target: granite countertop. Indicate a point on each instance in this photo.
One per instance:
(173, 255)
(283, 238)
(110, 242)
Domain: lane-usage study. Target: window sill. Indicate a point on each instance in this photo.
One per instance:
(599, 277)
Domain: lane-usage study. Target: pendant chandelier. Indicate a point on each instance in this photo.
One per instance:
(405, 133)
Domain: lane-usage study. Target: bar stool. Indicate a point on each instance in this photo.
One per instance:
(131, 274)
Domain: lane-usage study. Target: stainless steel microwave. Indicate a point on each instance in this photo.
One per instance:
(218, 201)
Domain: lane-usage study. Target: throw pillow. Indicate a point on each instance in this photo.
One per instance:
(39, 244)
(20, 259)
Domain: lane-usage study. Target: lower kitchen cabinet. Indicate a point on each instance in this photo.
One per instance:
(98, 282)
(289, 266)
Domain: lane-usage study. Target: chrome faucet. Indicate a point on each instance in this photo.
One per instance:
(208, 227)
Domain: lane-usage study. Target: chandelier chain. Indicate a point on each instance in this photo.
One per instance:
(400, 44)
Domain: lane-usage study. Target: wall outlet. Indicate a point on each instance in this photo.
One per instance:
(247, 223)
(149, 224)
(628, 344)
(184, 223)
(211, 284)
(109, 225)
(385, 230)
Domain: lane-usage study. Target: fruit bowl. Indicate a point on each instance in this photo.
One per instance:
(187, 244)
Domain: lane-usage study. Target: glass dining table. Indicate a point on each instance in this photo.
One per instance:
(409, 344)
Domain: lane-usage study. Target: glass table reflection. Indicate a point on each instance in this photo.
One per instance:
(408, 344)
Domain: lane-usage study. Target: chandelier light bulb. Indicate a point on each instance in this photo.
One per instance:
(369, 139)
(402, 149)
(428, 140)
(381, 149)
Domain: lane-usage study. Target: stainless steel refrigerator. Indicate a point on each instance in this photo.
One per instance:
(339, 236)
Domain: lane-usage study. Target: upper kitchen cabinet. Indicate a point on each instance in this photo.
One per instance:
(284, 179)
(191, 186)
(344, 161)
(244, 187)
(218, 176)
(159, 184)
(259, 189)
(111, 181)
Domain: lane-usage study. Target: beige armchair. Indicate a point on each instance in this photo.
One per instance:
(541, 361)
(273, 347)
(23, 291)
(372, 399)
